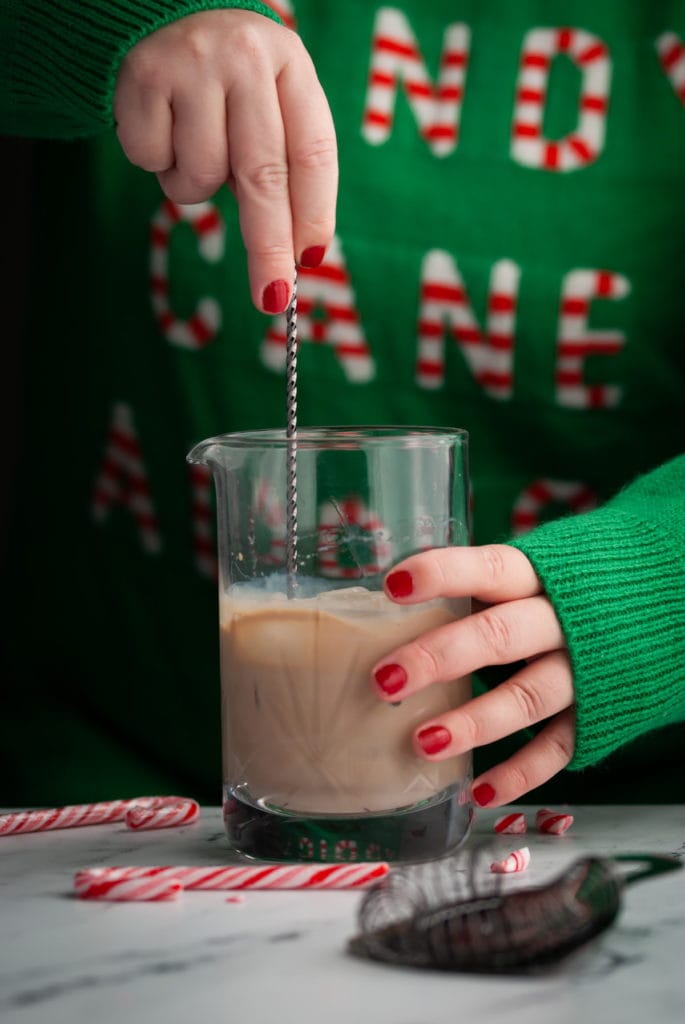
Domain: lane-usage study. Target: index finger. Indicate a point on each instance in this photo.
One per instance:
(492, 572)
(259, 164)
(312, 159)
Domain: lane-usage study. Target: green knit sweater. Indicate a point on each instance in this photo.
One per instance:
(416, 225)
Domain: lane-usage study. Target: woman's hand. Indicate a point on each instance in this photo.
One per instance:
(518, 623)
(230, 96)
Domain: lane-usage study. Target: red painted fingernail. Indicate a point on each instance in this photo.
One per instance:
(434, 738)
(400, 583)
(275, 297)
(483, 794)
(390, 678)
(312, 256)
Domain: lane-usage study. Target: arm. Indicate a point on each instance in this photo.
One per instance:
(616, 579)
(59, 59)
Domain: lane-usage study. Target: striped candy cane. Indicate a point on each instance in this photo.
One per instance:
(166, 812)
(208, 226)
(553, 823)
(101, 813)
(583, 145)
(71, 816)
(517, 861)
(671, 51)
(445, 307)
(269, 509)
(94, 882)
(119, 884)
(396, 57)
(204, 545)
(530, 505)
(326, 288)
(123, 480)
(511, 824)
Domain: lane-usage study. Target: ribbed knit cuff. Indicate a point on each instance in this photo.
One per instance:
(617, 586)
(63, 57)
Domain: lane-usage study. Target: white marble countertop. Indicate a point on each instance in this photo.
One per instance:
(280, 957)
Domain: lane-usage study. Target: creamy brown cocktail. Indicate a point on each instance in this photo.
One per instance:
(315, 764)
(303, 730)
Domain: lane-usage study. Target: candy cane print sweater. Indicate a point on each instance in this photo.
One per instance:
(509, 258)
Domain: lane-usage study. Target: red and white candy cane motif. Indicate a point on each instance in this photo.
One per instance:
(204, 543)
(445, 306)
(123, 479)
(553, 823)
(284, 10)
(396, 56)
(518, 860)
(584, 144)
(575, 342)
(305, 848)
(327, 289)
(346, 849)
(164, 812)
(282, 876)
(73, 816)
(269, 509)
(208, 225)
(334, 520)
(671, 50)
(119, 884)
(511, 824)
(530, 505)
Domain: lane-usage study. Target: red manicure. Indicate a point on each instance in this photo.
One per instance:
(312, 256)
(275, 297)
(483, 794)
(390, 678)
(400, 583)
(434, 738)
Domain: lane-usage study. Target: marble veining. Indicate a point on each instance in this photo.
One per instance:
(280, 957)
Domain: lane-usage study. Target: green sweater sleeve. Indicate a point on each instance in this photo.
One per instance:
(616, 577)
(59, 58)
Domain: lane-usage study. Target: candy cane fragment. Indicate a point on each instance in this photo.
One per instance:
(118, 884)
(518, 860)
(552, 822)
(165, 812)
(511, 824)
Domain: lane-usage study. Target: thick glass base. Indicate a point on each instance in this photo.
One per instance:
(425, 831)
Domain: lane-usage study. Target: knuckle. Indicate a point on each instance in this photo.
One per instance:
(198, 43)
(519, 780)
(529, 701)
(275, 251)
(493, 562)
(320, 228)
(248, 43)
(268, 179)
(494, 633)
(470, 729)
(559, 742)
(431, 660)
(318, 155)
